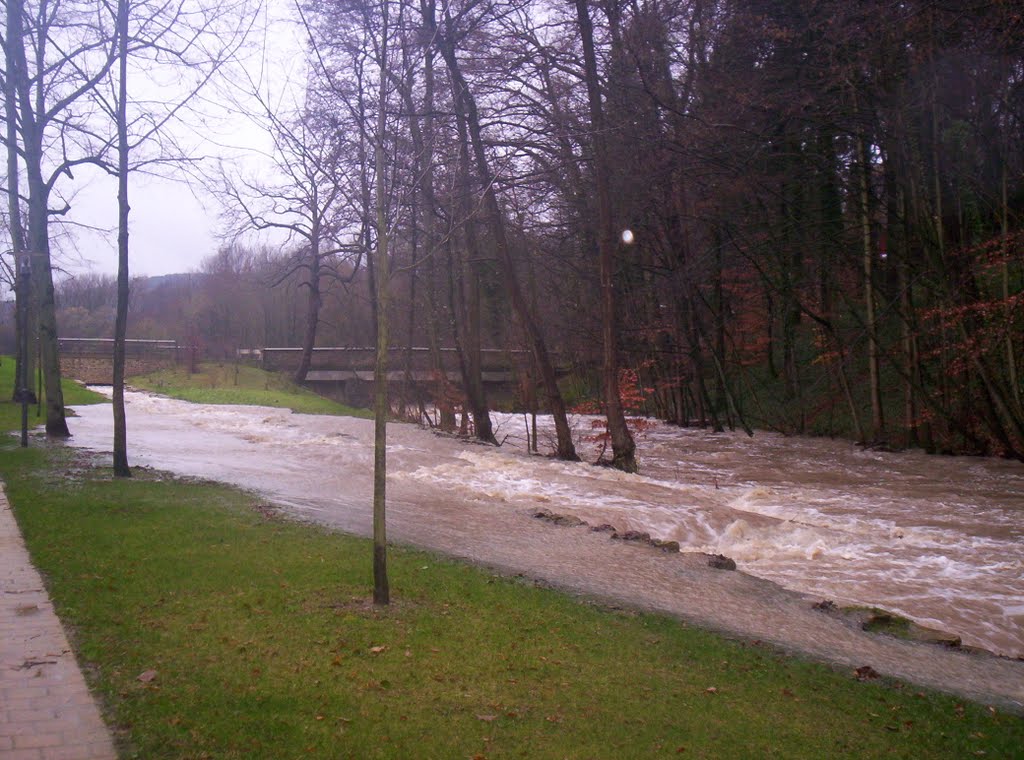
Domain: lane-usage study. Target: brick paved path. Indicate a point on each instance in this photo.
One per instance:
(46, 711)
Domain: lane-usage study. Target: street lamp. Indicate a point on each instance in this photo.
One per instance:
(23, 391)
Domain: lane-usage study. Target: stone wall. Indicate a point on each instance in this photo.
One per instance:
(95, 370)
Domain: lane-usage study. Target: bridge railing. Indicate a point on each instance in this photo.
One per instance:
(363, 358)
(105, 346)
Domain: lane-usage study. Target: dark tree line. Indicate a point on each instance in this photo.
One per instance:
(825, 200)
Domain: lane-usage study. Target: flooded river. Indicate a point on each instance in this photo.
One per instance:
(938, 539)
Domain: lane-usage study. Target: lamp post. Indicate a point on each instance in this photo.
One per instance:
(23, 392)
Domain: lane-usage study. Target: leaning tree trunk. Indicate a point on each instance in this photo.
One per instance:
(465, 105)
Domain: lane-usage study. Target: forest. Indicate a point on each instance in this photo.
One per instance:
(802, 216)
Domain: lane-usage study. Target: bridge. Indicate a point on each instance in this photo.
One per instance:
(91, 360)
(342, 373)
(347, 373)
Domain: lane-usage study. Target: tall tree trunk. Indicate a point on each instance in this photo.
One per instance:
(313, 299)
(121, 468)
(423, 142)
(381, 589)
(623, 445)
(875, 388)
(1011, 356)
(23, 363)
(42, 283)
(468, 289)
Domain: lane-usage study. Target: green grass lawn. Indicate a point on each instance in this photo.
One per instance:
(239, 384)
(212, 629)
(10, 413)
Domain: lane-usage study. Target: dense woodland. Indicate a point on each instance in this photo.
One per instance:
(824, 202)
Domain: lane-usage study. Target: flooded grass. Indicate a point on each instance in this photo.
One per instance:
(239, 384)
(211, 628)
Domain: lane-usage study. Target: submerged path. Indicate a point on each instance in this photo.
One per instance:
(320, 469)
(46, 711)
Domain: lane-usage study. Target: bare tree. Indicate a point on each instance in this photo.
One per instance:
(312, 199)
(190, 39)
(57, 54)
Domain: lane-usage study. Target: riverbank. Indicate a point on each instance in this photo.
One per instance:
(211, 626)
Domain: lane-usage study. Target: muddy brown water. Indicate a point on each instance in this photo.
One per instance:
(937, 539)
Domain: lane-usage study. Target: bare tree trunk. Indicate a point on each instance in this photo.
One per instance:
(875, 389)
(121, 468)
(469, 292)
(23, 362)
(1011, 357)
(42, 276)
(313, 300)
(623, 445)
(381, 590)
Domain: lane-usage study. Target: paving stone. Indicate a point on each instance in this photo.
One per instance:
(46, 711)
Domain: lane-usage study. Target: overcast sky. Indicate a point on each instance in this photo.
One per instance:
(170, 229)
(174, 225)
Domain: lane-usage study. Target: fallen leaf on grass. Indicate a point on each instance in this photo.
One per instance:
(711, 690)
(147, 676)
(487, 718)
(378, 650)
